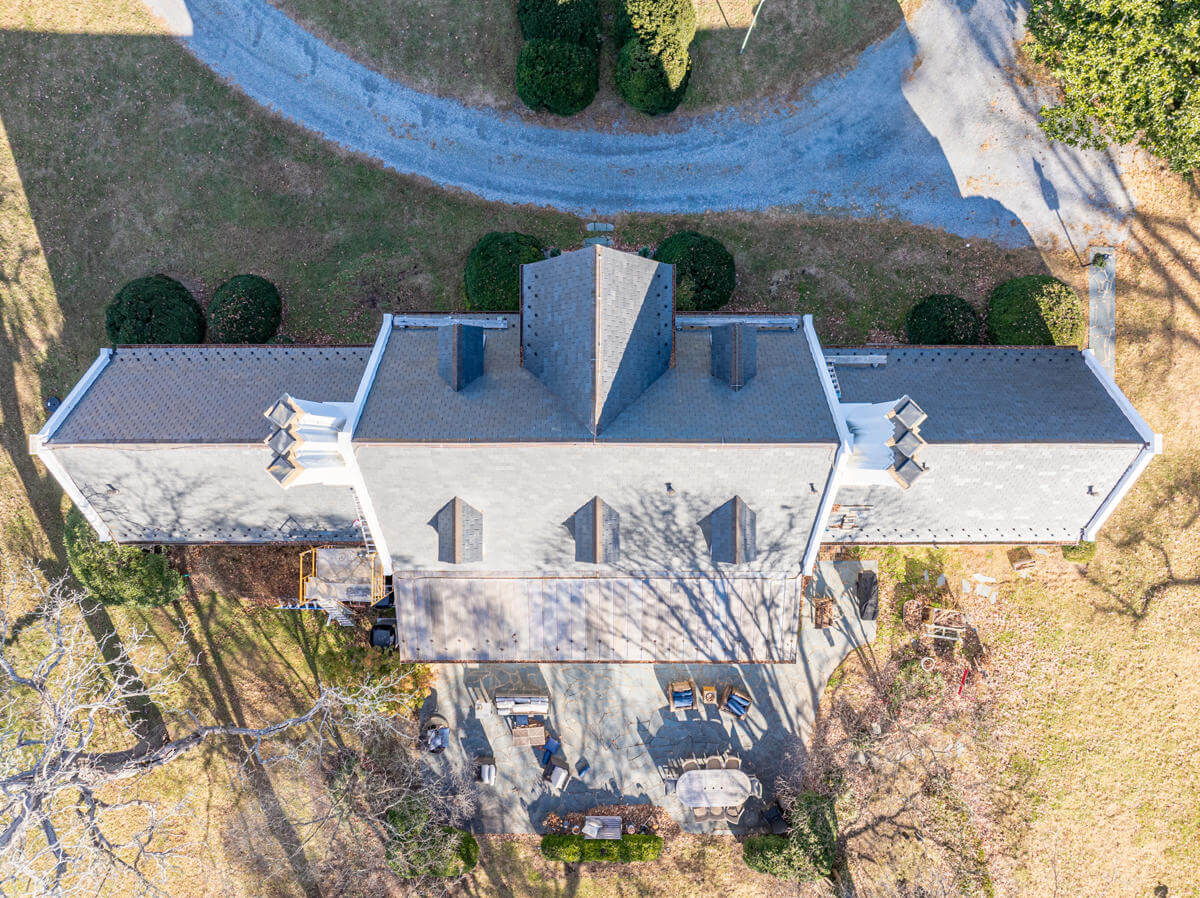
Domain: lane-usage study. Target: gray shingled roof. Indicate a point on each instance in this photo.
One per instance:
(205, 394)
(204, 494)
(597, 328)
(993, 395)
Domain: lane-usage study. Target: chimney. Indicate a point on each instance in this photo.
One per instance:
(460, 354)
(734, 353)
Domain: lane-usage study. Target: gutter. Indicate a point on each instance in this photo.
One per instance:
(39, 449)
(1152, 445)
(345, 444)
(839, 459)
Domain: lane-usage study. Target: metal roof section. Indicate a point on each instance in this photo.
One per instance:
(730, 532)
(204, 394)
(460, 354)
(595, 527)
(597, 328)
(734, 354)
(730, 617)
(460, 532)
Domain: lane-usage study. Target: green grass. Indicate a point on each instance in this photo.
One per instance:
(469, 50)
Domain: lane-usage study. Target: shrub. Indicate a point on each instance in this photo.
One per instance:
(629, 849)
(807, 853)
(1081, 553)
(652, 81)
(657, 22)
(493, 273)
(574, 21)
(1036, 310)
(245, 309)
(914, 682)
(704, 271)
(557, 75)
(940, 320)
(114, 574)
(346, 660)
(154, 309)
(419, 847)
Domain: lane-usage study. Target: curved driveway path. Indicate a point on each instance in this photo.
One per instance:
(928, 126)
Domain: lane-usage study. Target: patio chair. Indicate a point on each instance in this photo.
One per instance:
(690, 764)
(756, 788)
(556, 775)
(683, 696)
(736, 702)
(714, 763)
(733, 816)
(550, 749)
(669, 785)
(733, 762)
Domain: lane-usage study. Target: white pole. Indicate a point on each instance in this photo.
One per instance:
(757, 10)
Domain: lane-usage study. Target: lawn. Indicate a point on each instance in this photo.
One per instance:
(469, 50)
(120, 156)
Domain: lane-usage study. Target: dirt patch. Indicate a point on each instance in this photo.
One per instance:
(263, 575)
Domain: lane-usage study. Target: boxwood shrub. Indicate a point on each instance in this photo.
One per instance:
(704, 271)
(574, 21)
(557, 76)
(414, 851)
(808, 853)
(154, 309)
(653, 81)
(629, 849)
(114, 574)
(244, 309)
(493, 273)
(657, 22)
(942, 319)
(1036, 310)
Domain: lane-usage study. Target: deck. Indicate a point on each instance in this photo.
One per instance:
(632, 619)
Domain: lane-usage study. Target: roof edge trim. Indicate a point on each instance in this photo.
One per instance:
(1119, 491)
(73, 399)
(368, 377)
(67, 482)
(831, 399)
(1109, 383)
(815, 536)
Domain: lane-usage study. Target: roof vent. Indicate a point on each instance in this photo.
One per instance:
(734, 354)
(460, 532)
(730, 533)
(460, 354)
(596, 529)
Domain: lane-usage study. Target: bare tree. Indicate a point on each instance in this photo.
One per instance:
(73, 820)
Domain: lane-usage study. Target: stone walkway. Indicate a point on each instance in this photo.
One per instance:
(614, 717)
(931, 125)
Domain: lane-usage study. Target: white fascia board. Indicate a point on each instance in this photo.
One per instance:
(368, 377)
(488, 322)
(823, 511)
(831, 398)
(1124, 485)
(39, 449)
(1144, 430)
(767, 322)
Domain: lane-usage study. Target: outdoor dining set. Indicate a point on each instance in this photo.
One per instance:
(715, 788)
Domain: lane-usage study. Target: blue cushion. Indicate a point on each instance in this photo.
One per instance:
(683, 699)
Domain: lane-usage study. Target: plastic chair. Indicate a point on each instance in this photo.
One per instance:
(691, 764)
(732, 762)
(714, 763)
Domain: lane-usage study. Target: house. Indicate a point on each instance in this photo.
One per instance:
(597, 477)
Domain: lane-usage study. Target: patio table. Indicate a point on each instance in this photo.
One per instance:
(722, 788)
(533, 734)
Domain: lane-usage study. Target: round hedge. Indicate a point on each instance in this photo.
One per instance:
(118, 575)
(493, 274)
(556, 75)
(704, 271)
(154, 309)
(1036, 310)
(653, 82)
(942, 320)
(244, 309)
(574, 21)
(657, 22)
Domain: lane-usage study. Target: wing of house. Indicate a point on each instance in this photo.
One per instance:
(596, 477)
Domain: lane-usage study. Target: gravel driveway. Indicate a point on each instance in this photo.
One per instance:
(929, 127)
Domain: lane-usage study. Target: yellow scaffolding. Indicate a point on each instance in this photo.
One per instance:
(339, 573)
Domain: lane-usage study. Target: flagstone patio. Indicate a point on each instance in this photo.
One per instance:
(614, 718)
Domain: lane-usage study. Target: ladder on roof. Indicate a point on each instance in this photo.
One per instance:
(363, 527)
(837, 387)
